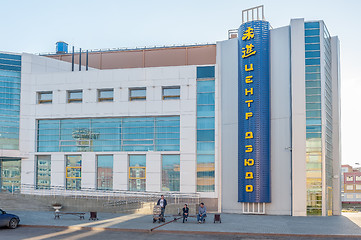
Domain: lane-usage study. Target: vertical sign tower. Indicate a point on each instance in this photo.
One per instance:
(254, 108)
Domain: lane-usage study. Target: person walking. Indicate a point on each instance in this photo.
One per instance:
(202, 213)
(185, 212)
(162, 203)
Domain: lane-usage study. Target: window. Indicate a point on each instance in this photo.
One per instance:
(171, 92)
(358, 187)
(137, 172)
(349, 196)
(105, 172)
(349, 178)
(349, 187)
(73, 172)
(75, 96)
(170, 173)
(43, 172)
(105, 95)
(109, 134)
(45, 97)
(137, 94)
(205, 129)
(358, 178)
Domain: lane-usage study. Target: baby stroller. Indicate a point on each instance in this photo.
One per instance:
(157, 214)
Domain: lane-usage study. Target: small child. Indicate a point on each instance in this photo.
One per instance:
(185, 212)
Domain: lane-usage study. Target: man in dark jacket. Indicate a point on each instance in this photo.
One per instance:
(162, 203)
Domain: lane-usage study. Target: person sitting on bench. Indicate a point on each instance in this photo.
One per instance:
(185, 212)
(202, 213)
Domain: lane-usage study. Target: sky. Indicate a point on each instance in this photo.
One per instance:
(35, 26)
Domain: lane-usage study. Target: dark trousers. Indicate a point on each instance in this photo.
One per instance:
(162, 210)
(185, 217)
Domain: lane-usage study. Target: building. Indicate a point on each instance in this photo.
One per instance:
(251, 123)
(351, 187)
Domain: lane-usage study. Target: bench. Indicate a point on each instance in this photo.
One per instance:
(79, 214)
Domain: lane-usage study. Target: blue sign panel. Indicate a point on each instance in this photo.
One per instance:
(254, 113)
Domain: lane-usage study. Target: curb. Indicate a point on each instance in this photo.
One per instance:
(195, 232)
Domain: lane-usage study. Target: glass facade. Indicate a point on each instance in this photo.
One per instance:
(10, 81)
(205, 129)
(109, 134)
(170, 173)
(43, 172)
(10, 174)
(137, 172)
(105, 172)
(73, 172)
(318, 111)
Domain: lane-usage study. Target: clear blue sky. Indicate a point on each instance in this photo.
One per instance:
(34, 26)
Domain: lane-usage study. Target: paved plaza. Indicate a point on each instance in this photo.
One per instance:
(347, 225)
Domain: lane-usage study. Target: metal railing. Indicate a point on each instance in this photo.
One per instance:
(110, 197)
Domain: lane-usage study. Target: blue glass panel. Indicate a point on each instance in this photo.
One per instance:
(313, 98)
(205, 123)
(167, 142)
(167, 129)
(167, 148)
(10, 62)
(10, 68)
(312, 25)
(167, 123)
(10, 74)
(311, 106)
(312, 54)
(205, 98)
(205, 135)
(205, 110)
(315, 113)
(167, 135)
(10, 56)
(311, 91)
(310, 47)
(310, 69)
(310, 84)
(205, 72)
(137, 92)
(313, 121)
(313, 135)
(312, 39)
(311, 61)
(205, 147)
(205, 158)
(205, 86)
(312, 32)
(137, 160)
(313, 128)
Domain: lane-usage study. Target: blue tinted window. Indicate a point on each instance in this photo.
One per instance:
(313, 135)
(310, 69)
(311, 47)
(205, 86)
(205, 72)
(205, 123)
(313, 84)
(312, 25)
(313, 121)
(313, 76)
(313, 98)
(205, 135)
(205, 147)
(312, 32)
(205, 110)
(311, 61)
(10, 68)
(310, 91)
(10, 56)
(312, 54)
(315, 113)
(313, 128)
(205, 98)
(310, 106)
(312, 39)
(113, 134)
